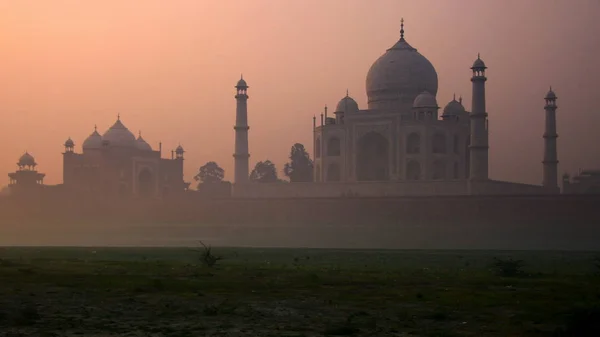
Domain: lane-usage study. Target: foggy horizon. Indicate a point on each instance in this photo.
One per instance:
(169, 70)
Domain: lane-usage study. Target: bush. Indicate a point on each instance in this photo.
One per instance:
(207, 258)
(508, 267)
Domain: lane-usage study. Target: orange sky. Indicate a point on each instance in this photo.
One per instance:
(169, 67)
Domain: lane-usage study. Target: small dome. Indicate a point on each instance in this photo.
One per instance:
(478, 64)
(142, 145)
(454, 108)
(69, 143)
(26, 160)
(425, 100)
(119, 135)
(93, 141)
(551, 94)
(241, 83)
(179, 150)
(347, 104)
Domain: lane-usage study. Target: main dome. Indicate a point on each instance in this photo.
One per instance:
(119, 135)
(399, 76)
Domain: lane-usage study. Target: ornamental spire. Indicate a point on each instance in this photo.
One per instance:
(402, 29)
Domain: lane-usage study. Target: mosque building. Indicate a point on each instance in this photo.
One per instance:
(119, 164)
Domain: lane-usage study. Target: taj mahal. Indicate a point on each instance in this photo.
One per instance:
(402, 144)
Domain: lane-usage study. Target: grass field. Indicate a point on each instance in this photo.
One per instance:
(293, 292)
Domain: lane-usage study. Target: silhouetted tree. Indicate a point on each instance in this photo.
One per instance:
(211, 172)
(300, 167)
(264, 172)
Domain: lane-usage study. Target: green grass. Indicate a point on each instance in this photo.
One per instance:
(289, 292)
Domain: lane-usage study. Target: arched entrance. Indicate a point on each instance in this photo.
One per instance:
(413, 170)
(333, 172)
(145, 183)
(372, 162)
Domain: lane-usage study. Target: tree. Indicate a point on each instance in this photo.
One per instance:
(264, 172)
(300, 167)
(211, 172)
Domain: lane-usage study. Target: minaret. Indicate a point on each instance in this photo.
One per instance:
(241, 127)
(478, 149)
(550, 154)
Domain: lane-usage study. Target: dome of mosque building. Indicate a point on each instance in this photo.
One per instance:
(400, 75)
(453, 108)
(425, 100)
(93, 141)
(118, 135)
(347, 104)
(26, 160)
(69, 143)
(142, 145)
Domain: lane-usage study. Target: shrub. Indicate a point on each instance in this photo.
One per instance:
(508, 267)
(207, 258)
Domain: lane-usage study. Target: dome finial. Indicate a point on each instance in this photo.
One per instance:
(479, 56)
(402, 29)
(347, 94)
(119, 116)
(454, 97)
(95, 127)
(241, 76)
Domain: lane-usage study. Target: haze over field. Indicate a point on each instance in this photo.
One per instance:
(169, 69)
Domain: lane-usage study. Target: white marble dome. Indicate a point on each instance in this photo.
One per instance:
(347, 104)
(93, 141)
(118, 135)
(478, 64)
(398, 76)
(425, 100)
(454, 108)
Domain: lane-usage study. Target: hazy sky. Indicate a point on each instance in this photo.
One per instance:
(169, 67)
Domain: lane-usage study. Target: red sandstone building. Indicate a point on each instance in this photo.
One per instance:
(118, 164)
(114, 164)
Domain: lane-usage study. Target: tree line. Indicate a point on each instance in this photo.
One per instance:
(298, 169)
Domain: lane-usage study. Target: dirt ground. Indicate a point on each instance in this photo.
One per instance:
(293, 292)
